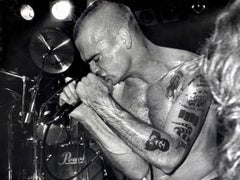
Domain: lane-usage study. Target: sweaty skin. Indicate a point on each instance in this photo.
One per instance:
(151, 104)
(145, 105)
(204, 149)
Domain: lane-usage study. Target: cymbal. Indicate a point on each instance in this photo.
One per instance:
(54, 47)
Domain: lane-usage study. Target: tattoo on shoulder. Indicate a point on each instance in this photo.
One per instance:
(174, 83)
(197, 100)
(156, 142)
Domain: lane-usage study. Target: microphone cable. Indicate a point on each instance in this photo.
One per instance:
(44, 105)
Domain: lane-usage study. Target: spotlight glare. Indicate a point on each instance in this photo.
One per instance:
(61, 9)
(27, 12)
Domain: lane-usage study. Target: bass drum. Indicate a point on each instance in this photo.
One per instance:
(65, 162)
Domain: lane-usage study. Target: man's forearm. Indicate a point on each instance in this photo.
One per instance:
(130, 164)
(117, 152)
(151, 144)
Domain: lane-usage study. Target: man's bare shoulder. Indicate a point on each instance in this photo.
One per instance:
(174, 80)
(178, 56)
(162, 94)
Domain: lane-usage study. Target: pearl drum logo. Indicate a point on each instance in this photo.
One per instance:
(67, 158)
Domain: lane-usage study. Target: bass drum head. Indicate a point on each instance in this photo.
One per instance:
(65, 162)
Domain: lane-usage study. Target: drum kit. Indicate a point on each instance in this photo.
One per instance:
(60, 149)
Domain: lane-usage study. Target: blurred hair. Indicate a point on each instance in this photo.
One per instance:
(221, 67)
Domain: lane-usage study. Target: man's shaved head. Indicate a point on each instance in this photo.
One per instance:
(107, 17)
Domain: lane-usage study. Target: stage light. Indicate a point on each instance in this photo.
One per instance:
(90, 2)
(27, 12)
(199, 6)
(62, 9)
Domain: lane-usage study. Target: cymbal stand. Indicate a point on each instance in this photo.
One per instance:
(31, 118)
(24, 79)
(10, 122)
(23, 97)
(10, 140)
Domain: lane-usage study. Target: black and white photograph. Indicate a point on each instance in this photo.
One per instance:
(119, 90)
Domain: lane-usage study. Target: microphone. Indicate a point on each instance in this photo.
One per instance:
(64, 110)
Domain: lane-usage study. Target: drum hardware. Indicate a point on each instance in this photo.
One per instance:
(52, 52)
(58, 133)
(41, 62)
(29, 118)
(16, 97)
(10, 143)
(59, 115)
(68, 157)
(46, 103)
(24, 79)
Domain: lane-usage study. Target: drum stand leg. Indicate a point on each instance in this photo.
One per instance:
(10, 142)
(35, 156)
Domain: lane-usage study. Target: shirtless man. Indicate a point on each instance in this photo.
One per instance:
(148, 107)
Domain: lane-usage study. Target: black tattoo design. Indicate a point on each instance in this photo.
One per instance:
(201, 109)
(174, 83)
(184, 131)
(181, 144)
(189, 117)
(156, 142)
(199, 99)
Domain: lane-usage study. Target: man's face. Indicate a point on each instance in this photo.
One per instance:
(106, 56)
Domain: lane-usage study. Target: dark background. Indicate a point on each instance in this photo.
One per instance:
(172, 23)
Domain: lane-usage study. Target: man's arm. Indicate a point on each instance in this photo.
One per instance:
(164, 148)
(116, 151)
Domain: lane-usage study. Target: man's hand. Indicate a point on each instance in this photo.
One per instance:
(69, 93)
(92, 90)
(82, 113)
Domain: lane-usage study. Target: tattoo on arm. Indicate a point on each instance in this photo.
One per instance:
(189, 117)
(181, 144)
(184, 131)
(196, 100)
(156, 142)
(199, 99)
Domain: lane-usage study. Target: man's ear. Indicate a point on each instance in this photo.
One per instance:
(125, 37)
